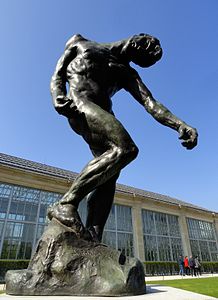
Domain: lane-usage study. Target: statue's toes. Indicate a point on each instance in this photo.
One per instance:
(68, 215)
(50, 212)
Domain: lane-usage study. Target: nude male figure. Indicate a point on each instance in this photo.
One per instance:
(94, 73)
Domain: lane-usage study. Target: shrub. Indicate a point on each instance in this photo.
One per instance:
(161, 268)
(11, 264)
(209, 267)
(171, 268)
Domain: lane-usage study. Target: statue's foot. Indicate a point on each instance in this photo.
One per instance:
(68, 215)
(93, 234)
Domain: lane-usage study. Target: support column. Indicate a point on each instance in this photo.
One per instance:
(138, 232)
(6, 221)
(215, 221)
(184, 235)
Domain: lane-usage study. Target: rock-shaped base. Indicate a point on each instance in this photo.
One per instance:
(66, 265)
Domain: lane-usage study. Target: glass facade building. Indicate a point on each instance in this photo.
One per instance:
(202, 237)
(23, 220)
(147, 225)
(162, 237)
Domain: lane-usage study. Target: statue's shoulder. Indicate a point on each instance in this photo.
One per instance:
(76, 38)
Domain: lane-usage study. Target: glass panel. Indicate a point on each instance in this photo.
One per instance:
(27, 241)
(111, 223)
(25, 194)
(125, 243)
(212, 246)
(213, 250)
(214, 256)
(109, 238)
(47, 199)
(204, 235)
(156, 227)
(195, 248)
(205, 256)
(18, 240)
(1, 228)
(83, 210)
(150, 245)
(120, 219)
(50, 198)
(200, 229)
(11, 242)
(124, 218)
(5, 192)
(24, 206)
(30, 211)
(43, 213)
(161, 223)
(164, 248)
(9, 249)
(3, 207)
(173, 222)
(176, 248)
(148, 222)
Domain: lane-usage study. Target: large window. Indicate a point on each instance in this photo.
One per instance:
(202, 239)
(119, 231)
(18, 241)
(162, 239)
(5, 193)
(23, 219)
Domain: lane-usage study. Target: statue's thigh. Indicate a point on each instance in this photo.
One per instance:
(103, 129)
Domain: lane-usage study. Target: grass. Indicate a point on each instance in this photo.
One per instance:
(205, 286)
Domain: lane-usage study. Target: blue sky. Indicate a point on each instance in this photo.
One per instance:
(33, 34)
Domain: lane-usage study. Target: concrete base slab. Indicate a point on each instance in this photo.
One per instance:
(154, 292)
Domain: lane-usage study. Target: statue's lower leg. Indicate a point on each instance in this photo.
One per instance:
(99, 206)
(96, 173)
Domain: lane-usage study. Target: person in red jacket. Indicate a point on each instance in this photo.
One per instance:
(186, 266)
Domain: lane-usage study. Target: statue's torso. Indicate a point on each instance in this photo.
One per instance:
(95, 74)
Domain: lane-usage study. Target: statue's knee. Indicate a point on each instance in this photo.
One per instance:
(129, 153)
(134, 151)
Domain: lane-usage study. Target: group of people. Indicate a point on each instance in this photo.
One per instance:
(189, 266)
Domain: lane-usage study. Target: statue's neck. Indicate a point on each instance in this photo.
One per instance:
(119, 49)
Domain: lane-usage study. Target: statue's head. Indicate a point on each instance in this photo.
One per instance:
(144, 50)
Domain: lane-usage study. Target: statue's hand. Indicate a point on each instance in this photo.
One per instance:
(189, 136)
(62, 105)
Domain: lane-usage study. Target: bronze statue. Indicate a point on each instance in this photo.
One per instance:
(94, 73)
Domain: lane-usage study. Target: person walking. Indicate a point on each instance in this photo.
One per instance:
(181, 265)
(197, 266)
(192, 266)
(186, 265)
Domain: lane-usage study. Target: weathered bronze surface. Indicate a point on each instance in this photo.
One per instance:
(94, 73)
(67, 265)
(70, 259)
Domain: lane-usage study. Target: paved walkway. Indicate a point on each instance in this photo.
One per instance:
(154, 292)
(157, 278)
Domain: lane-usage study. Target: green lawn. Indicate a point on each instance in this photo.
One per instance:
(205, 286)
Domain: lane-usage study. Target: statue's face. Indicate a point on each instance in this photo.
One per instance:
(145, 50)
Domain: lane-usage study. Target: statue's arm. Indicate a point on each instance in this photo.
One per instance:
(58, 81)
(158, 111)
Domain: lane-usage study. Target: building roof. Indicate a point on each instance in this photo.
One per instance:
(24, 164)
